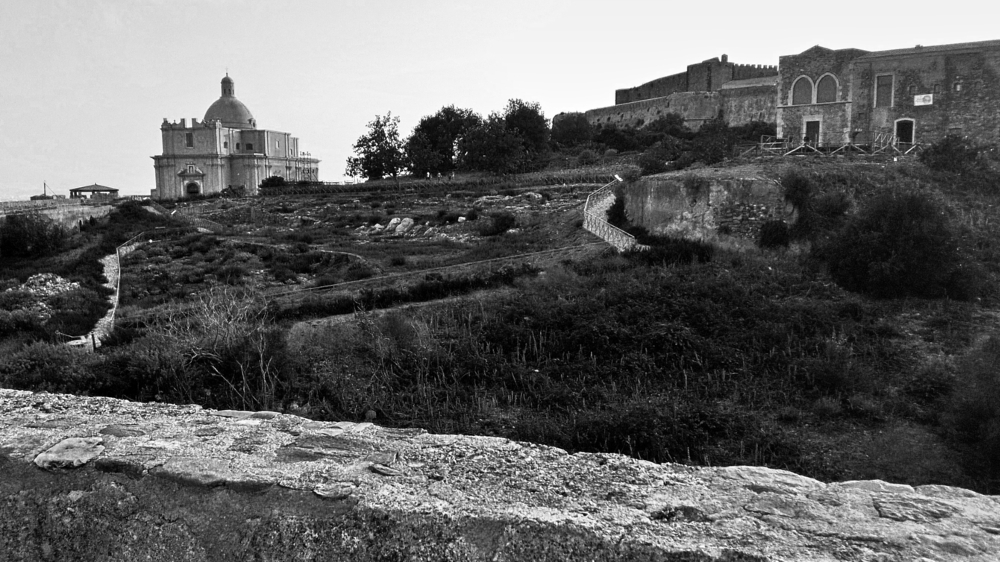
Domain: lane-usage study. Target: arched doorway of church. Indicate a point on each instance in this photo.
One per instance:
(193, 188)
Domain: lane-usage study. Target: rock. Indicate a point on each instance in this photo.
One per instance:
(182, 483)
(71, 453)
(391, 227)
(404, 225)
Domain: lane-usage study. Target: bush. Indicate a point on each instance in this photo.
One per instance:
(974, 413)
(587, 158)
(665, 250)
(798, 189)
(499, 223)
(901, 245)
(774, 234)
(30, 235)
(953, 154)
(653, 161)
(616, 213)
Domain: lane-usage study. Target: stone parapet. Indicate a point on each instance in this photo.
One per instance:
(98, 478)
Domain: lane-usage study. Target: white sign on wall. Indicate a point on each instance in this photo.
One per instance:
(923, 99)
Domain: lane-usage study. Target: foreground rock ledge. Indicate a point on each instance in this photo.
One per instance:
(101, 479)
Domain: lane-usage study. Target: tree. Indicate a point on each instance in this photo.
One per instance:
(379, 152)
(527, 120)
(431, 147)
(571, 129)
(492, 147)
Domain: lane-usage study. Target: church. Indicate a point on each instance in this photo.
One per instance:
(226, 149)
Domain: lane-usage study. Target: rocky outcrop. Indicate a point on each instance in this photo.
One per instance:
(94, 478)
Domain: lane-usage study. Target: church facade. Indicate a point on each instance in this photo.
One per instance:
(225, 149)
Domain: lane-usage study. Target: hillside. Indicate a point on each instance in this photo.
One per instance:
(742, 356)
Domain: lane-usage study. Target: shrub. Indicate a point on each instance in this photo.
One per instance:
(798, 189)
(952, 154)
(774, 234)
(616, 213)
(832, 205)
(665, 250)
(30, 235)
(587, 158)
(974, 413)
(499, 223)
(653, 161)
(901, 245)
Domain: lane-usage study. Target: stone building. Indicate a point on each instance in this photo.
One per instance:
(225, 149)
(740, 92)
(831, 98)
(901, 96)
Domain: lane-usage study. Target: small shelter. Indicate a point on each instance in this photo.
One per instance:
(95, 191)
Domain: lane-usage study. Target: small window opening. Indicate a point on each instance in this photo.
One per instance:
(189, 138)
(249, 146)
(237, 146)
(225, 144)
(190, 168)
(883, 91)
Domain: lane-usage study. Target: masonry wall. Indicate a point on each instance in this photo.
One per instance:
(703, 207)
(654, 89)
(743, 105)
(972, 109)
(695, 107)
(834, 117)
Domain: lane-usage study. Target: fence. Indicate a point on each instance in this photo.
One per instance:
(595, 212)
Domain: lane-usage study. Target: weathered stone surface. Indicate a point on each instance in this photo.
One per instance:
(293, 489)
(71, 453)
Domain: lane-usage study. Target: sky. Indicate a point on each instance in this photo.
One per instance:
(85, 84)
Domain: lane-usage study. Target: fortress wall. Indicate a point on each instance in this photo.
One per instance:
(695, 107)
(755, 103)
(745, 71)
(654, 89)
(678, 206)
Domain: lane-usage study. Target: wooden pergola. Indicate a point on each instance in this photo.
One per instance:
(95, 191)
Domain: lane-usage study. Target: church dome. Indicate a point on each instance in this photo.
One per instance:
(229, 110)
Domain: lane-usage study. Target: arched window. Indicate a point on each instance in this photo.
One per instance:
(802, 91)
(826, 89)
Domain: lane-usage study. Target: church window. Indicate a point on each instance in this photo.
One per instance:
(883, 90)
(802, 91)
(189, 138)
(237, 146)
(826, 89)
(190, 168)
(249, 147)
(225, 144)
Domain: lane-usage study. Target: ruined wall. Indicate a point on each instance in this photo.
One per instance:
(695, 206)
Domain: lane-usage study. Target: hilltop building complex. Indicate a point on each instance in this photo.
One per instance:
(833, 97)
(225, 149)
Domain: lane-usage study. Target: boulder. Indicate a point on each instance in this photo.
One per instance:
(165, 482)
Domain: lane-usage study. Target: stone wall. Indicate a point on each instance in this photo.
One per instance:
(706, 76)
(964, 85)
(695, 107)
(67, 212)
(90, 478)
(752, 102)
(694, 206)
